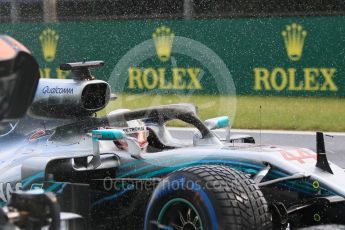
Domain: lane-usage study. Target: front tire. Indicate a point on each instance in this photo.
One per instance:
(207, 197)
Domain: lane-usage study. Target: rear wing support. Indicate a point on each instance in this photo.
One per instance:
(322, 162)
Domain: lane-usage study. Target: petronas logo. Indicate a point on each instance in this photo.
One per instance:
(49, 40)
(294, 36)
(163, 38)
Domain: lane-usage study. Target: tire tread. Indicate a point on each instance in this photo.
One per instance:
(238, 193)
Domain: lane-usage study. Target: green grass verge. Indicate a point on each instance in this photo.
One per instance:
(288, 113)
(292, 113)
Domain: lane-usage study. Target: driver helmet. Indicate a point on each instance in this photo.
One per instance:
(135, 129)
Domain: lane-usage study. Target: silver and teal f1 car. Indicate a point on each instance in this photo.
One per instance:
(129, 170)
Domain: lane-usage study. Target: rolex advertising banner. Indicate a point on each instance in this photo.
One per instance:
(266, 56)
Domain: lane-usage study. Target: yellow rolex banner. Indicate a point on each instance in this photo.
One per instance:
(264, 56)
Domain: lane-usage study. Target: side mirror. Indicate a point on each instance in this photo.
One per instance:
(218, 122)
(108, 135)
(112, 135)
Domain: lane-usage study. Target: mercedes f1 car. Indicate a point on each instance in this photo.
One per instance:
(128, 170)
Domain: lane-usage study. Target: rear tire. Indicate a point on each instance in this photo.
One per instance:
(207, 197)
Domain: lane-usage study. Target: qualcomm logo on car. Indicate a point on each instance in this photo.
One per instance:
(57, 90)
(295, 79)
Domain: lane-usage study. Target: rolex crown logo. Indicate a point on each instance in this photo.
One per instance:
(294, 37)
(163, 38)
(49, 39)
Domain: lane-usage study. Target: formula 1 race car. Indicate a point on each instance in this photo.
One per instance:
(129, 170)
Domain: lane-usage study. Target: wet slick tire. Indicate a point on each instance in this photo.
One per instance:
(209, 197)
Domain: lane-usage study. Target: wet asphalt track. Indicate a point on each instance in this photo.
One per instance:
(335, 146)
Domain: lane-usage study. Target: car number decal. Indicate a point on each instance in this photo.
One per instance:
(297, 155)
